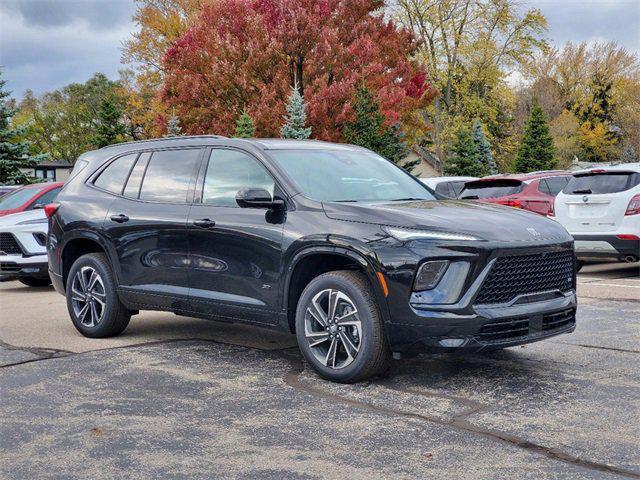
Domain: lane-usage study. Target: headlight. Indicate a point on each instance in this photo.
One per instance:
(429, 274)
(408, 234)
(33, 222)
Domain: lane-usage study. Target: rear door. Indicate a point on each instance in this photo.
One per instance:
(595, 201)
(147, 225)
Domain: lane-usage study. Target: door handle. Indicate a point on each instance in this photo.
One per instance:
(204, 223)
(120, 218)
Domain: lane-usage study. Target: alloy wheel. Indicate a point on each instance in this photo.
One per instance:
(88, 297)
(333, 329)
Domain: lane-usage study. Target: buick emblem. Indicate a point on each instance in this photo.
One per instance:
(585, 199)
(533, 232)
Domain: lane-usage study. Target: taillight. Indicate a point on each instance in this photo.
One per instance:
(628, 236)
(512, 203)
(634, 206)
(50, 209)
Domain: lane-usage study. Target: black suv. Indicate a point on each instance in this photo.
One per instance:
(332, 242)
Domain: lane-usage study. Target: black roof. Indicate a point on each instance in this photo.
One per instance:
(198, 140)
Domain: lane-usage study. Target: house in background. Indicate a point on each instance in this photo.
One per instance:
(50, 170)
(429, 166)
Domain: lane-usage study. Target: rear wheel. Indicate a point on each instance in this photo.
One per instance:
(92, 300)
(339, 328)
(35, 282)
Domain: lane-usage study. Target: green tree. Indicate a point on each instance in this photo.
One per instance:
(464, 158)
(14, 152)
(295, 127)
(484, 149)
(368, 130)
(536, 151)
(109, 129)
(173, 127)
(245, 128)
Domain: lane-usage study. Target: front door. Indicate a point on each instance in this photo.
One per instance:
(235, 253)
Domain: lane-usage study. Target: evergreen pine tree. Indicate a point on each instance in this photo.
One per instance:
(536, 148)
(484, 149)
(368, 130)
(629, 155)
(109, 129)
(465, 158)
(173, 127)
(14, 154)
(296, 118)
(245, 128)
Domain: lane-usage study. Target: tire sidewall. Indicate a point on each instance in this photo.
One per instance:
(368, 318)
(108, 317)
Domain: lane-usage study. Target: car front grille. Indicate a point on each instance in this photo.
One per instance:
(514, 275)
(9, 245)
(515, 328)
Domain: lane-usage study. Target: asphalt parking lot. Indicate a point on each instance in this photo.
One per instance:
(178, 397)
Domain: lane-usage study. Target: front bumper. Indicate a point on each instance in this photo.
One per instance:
(487, 328)
(15, 266)
(605, 246)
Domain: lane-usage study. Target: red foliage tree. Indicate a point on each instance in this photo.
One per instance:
(249, 53)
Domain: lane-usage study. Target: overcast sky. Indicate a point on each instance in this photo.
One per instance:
(46, 44)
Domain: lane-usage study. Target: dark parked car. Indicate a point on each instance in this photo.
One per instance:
(535, 191)
(329, 241)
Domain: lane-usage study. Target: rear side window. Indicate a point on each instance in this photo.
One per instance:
(132, 189)
(444, 189)
(169, 175)
(598, 183)
(48, 197)
(553, 186)
(491, 189)
(113, 177)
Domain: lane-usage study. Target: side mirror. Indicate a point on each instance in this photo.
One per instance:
(38, 206)
(257, 198)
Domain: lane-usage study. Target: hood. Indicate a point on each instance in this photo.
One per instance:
(16, 218)
(482, 220)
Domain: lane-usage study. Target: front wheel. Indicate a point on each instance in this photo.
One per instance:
(92, 300)
(339, 328)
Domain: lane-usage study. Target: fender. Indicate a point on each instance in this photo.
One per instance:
(85, 234)
(365, 259)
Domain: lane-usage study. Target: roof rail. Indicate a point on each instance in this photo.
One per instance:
(151, 140)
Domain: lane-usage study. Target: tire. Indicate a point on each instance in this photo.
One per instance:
(35, 281)
(108, 316)
(369, 352)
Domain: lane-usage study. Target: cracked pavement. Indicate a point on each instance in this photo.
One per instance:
(177, 397)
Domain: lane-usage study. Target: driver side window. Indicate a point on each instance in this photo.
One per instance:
(228, 172)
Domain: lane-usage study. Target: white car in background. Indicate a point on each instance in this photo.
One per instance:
(450, 187)
(23, 248)
(601, 210)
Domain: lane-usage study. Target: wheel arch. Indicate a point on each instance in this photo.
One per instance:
(80, 244)
(313, 261)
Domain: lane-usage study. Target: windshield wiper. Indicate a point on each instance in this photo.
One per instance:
(406, 199)
(583, 190)
(470, 197)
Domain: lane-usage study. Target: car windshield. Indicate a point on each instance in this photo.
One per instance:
(17, 198)
(491, 189)
(335, 175)
(599, 183)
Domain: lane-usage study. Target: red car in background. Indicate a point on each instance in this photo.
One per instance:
(29, 197)
(531, 191)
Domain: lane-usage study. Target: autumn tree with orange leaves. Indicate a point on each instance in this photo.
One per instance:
(248, 54)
